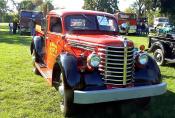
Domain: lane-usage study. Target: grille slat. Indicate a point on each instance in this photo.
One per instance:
(117, 80)
(118, 59)
(112, 65)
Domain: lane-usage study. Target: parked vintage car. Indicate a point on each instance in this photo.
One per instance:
(162, 44)
(81, 53)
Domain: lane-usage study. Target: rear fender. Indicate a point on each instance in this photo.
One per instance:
(32, 47)
(37, 44)
(68, 64)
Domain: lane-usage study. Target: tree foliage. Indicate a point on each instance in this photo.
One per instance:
(47, 6)
(109, 6)
(129, 10)
(39, 5)
(3, 6)
(26, 5)
(168, 8)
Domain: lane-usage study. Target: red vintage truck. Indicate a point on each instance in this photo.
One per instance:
(81, 53)
(127, 22)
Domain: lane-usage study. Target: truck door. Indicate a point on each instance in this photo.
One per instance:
(54, 40)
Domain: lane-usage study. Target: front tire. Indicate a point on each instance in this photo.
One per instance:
(159, 57)
(67, 106)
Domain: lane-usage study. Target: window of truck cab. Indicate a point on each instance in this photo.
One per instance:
(90, 22)
(55, 25)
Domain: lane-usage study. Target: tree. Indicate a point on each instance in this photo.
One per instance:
(129, 10)
(109, 6)
(167, 8)
(3, 6)
(139, 7)
(146, 8)
(47, 6)
(39, 5)
(3, 9)
(26, 5)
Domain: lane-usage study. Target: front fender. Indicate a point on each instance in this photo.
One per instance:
(68, 65)
(157, 45)
(149, 74)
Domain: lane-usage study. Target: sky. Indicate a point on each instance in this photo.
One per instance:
(123, 4)
(77, 4)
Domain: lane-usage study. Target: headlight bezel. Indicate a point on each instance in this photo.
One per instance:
(143, 58)
(93, 60)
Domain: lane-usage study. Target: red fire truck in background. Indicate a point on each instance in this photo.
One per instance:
(127, 22)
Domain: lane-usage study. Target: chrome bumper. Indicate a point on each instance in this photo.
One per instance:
(98, 96)
(132, 31)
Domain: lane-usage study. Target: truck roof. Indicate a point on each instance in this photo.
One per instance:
(64, 12)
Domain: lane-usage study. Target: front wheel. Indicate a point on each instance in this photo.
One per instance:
(159, 57)
(67, 106)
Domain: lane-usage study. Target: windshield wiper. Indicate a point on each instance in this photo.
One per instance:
(88, 18)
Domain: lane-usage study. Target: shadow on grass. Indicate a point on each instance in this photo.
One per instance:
(102, 110)
(5, 37)
(168, 76)
(159, 107)
(170, 65)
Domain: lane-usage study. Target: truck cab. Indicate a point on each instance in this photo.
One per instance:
(81, 53)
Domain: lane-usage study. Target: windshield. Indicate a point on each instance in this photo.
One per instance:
(90, 22)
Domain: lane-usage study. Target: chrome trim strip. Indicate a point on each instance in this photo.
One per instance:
(87, 43)
(115, 80)
(125, 61)
(117, 47)
(120, 59)
(119, 64)
(82, 46)
(129, 75)
(117, 51)
(118, 68)
(117, 72)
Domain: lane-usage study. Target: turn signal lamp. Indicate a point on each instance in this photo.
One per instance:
(142, 48)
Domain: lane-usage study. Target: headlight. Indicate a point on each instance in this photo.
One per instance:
(143, 59)
(93, 60)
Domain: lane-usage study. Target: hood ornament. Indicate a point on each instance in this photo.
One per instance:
(125, 42)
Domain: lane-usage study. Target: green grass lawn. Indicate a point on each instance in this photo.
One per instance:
(26, 95)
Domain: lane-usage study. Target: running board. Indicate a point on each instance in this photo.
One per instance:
(45, 72)
(170, 60)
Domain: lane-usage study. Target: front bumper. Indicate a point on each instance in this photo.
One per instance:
(132, 31)
(98, 96)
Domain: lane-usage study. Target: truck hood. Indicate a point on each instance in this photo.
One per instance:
(101, 39)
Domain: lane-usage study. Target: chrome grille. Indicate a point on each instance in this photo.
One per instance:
(117, 65)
